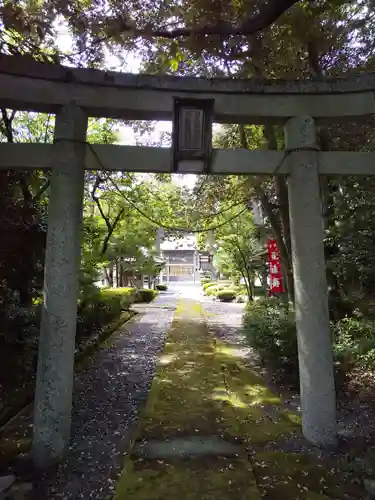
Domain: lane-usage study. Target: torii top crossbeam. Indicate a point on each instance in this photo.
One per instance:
(28, 85)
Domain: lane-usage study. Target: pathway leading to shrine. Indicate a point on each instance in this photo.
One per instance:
(212, 429)
(205, 426)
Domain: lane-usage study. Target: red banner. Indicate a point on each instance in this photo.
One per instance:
(276, 278)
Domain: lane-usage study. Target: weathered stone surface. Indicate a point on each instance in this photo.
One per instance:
(190, 446)
(300, 134)
(53, 397)
(6, 482)
(369, 485)
(318, 401)
(25, 67)
(20, 491)
(46, 88)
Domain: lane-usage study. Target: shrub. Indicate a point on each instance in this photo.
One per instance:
(208, 284)
(145, 295)
(205, 280)
(162, 288)
(226, 295)
(270, 329)
(354, 343)
(102, 307)
(125, 295)
(211, 290)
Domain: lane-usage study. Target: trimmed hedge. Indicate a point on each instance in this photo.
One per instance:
(161, 287)
(145, 295)
(102, 307)
(214, 289)
(226, 295)
(208, 284)
(203, 281)
(211, 290)
(105, 304)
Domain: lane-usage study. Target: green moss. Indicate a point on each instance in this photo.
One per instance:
(292, 475)
(183, 383)
(12, 447)
(204, 387)
(250, 398)
(188, 479)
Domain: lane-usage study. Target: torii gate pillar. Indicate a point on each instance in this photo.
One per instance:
(53, 398)
(318, 399)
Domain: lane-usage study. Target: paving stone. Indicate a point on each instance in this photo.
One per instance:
(6, 482)
(193, 446)
(369, 485)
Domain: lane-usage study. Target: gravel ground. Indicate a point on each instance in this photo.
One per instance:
(107, 397)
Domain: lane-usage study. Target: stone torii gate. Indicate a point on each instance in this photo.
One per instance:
(74, 95)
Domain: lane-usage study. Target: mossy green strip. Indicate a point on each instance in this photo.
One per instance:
(203, 387)
(190, 479)
(182, 402)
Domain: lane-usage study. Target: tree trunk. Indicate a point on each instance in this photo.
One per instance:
(121, 272)
(281, 190)
(110, 275)
(117, 274)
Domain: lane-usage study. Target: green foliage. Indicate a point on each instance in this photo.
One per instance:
(204, 281)
(270, 329)
(145, 295)
(125, 295)
(239, 254)
(208, 284)
(354, 343)
(211, 290)
(102, 307)
(226, 295)
(161, 287)
(19, 324)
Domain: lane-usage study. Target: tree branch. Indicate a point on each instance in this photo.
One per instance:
(97, 183)
(7, 130)
(267, 14)
(111, 226)
(41, 190)
(110, 232)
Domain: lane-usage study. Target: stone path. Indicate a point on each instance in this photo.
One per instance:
(209, 428)
(209, 420)
(108, 394)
